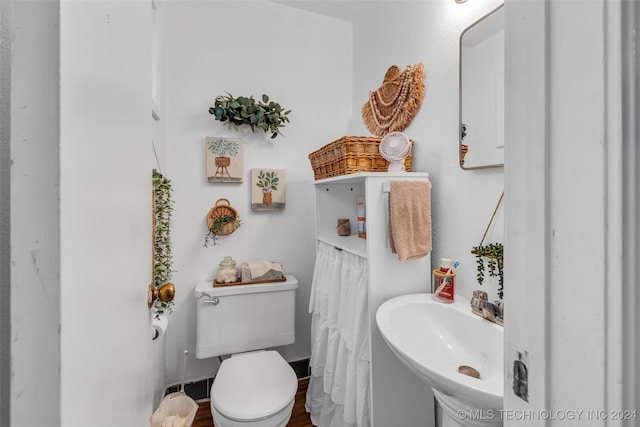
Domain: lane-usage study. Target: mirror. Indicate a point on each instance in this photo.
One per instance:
(481, 125)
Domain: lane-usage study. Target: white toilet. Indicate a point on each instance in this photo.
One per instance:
(254, 387)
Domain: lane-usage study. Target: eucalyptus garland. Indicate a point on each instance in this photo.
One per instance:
(162, 255)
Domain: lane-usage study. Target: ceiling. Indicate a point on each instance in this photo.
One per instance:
(346, 10)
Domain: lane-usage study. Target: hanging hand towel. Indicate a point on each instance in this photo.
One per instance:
(410, 219)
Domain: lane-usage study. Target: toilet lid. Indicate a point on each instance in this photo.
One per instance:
(253, 386)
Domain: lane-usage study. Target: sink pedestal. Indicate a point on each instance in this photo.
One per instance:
(453, 412)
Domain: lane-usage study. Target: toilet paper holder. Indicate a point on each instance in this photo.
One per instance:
(164, 293)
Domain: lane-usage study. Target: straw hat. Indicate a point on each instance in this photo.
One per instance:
(392, 107)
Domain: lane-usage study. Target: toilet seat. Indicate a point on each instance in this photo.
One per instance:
(253, 386)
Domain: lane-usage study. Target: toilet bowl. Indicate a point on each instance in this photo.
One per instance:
(255, 389)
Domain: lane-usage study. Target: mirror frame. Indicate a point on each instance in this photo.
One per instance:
(495, 165)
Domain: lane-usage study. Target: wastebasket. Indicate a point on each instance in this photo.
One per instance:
(176, 409)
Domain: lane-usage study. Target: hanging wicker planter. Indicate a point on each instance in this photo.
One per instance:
(222, 219)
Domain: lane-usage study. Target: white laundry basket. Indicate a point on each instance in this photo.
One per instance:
(176, 409)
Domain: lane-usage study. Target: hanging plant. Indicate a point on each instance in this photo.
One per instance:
(222, 219)
(266, 114)
(217, 225)
(162, 254)
(494, 253)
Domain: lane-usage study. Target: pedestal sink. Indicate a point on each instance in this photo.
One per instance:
(444, 345)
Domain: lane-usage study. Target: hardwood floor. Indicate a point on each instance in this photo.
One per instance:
(299, 417)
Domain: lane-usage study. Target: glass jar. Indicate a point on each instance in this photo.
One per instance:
(228, 272)
(344, 227)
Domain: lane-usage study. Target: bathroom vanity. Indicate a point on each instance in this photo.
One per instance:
(397, 397)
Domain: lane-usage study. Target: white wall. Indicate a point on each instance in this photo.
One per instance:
(462, 201)
(301, 60)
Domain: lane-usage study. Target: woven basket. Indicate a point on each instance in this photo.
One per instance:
(351, 154)
(223, 207)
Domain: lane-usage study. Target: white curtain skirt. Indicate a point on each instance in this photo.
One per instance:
(338, 393)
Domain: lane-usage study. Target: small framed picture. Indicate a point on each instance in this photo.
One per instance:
(224, 159)
(268, 189)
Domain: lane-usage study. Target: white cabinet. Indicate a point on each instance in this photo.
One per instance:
(398, 397)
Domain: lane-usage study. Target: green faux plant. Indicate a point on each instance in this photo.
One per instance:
(265, 114)
(211, 238)
(494, 252)
(162, 254)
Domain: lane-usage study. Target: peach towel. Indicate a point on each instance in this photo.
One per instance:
(410, 219)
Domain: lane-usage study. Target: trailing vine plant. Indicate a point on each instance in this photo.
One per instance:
(494, 252)
(162, 254)
(211, 238)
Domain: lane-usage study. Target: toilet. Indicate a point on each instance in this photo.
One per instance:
(255, 387)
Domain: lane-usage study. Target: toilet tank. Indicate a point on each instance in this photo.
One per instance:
(237, 318)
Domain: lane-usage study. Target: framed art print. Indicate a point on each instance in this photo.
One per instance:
(224, 159)
(268, 189)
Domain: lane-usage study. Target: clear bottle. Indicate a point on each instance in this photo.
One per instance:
(444, 282)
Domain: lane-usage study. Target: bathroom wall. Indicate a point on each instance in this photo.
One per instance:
(462, 201)
(301, 60)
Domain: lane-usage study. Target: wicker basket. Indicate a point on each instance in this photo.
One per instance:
(351, 154)
(222, 208)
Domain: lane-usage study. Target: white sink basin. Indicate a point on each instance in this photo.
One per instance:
(434, 339)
